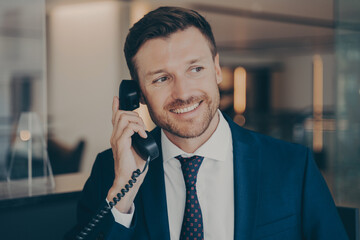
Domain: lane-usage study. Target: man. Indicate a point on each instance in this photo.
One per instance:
(213, 179)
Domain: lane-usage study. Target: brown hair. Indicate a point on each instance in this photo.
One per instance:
(162, 22)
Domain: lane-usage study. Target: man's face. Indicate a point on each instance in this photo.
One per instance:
(178, 78)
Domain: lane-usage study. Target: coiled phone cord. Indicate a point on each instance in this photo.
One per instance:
(101, 214)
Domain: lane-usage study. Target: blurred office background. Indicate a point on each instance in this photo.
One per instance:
(291, 70)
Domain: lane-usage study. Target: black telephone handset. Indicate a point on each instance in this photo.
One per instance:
(129, 96)
(147, 149)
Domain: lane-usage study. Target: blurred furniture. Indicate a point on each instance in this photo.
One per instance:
(350, 219)
(41, 215)
(64, 159)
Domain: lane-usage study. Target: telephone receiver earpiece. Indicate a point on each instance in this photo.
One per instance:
(129, 96)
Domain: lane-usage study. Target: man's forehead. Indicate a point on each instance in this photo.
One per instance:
(192, 29)
(177, 42)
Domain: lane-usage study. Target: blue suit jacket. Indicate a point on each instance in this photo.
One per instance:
(279, 194)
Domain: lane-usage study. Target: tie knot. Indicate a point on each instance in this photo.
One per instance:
(190, 167)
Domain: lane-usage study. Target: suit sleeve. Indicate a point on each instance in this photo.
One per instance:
(93, 200)
(320, 219)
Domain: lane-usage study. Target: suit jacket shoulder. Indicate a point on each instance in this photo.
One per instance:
(280, 189)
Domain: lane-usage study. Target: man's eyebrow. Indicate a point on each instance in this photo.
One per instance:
(191, 61)
(151, 73)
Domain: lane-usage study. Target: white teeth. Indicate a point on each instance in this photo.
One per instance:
(185, 110)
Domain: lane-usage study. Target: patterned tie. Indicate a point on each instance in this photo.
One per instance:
(192, 227)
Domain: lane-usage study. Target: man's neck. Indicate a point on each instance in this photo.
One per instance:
(190, 145)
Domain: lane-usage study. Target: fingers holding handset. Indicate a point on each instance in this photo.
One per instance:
(126, 160)
(125, 119)
(125, 124)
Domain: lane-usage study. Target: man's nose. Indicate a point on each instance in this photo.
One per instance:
(181, 88)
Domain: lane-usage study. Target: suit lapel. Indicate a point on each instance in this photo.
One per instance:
(154, 197)
(246, 171)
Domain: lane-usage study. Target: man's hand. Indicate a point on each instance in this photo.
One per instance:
(126, 160)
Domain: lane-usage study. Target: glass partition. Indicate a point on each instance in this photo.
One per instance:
(347, 166)
(22, 83)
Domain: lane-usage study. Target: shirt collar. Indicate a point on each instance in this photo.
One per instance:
(216, 147)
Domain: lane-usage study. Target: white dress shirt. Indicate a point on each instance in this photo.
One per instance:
(216, 171)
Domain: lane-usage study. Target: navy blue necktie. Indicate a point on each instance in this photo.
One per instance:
(192, 226)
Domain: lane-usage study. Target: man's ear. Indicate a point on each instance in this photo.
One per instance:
(141, 97)
(217, 69)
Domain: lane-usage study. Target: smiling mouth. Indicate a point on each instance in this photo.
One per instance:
(185, 110)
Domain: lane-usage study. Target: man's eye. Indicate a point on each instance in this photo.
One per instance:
(196, 69)
(160, 80)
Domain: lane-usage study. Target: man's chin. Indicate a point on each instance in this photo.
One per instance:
(184, 132)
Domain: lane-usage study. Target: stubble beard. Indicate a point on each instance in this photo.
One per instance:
(191, 128)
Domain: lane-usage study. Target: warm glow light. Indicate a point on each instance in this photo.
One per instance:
(318, 86)
(240, 90)
(25, 135)
(239, 119)
(318, 81)
(318, 136)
